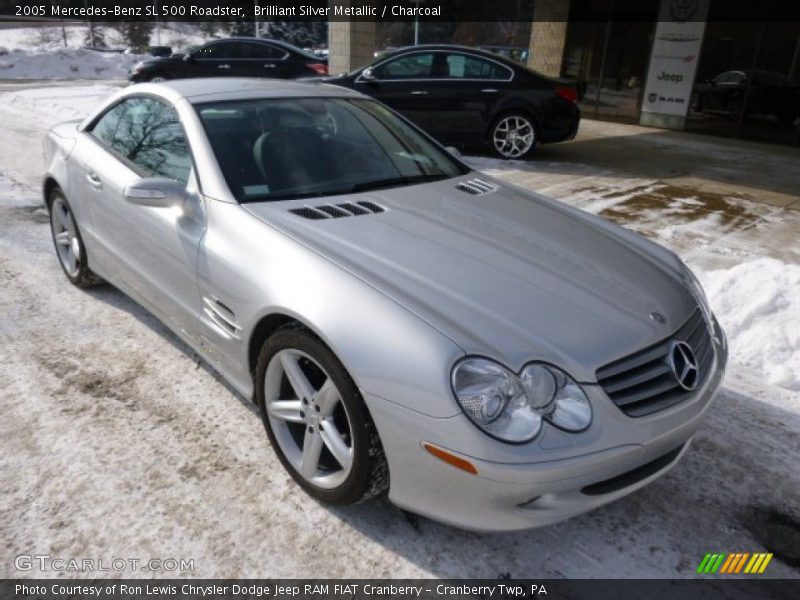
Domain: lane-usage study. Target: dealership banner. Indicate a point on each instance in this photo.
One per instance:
(673, 61)
(732, 588)
(383, 10)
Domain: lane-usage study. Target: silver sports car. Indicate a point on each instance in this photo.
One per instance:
(493, 358)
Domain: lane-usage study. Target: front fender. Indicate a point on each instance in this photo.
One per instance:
(256, 271)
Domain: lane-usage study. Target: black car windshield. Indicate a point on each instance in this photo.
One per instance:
(279, 149)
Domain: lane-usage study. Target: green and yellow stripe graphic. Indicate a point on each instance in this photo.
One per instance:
(735, 563)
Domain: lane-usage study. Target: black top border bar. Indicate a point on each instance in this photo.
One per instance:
(396, 10)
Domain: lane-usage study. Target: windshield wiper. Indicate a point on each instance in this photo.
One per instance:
(396, 182)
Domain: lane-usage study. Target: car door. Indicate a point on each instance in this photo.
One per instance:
(262, 59)
(217, 59)
(463, 94)
(401, 83)
(151, 252)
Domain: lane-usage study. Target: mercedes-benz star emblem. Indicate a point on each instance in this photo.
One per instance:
(684, 365)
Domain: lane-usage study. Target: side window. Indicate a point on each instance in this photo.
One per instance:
(262, 51)
(413, 66)
(463, 66)
(150, 136)
(106, 127)
(218, 51)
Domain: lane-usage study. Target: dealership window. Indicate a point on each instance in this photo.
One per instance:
(748, 81)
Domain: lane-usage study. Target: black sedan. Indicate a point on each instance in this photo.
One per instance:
(465, 97)
(233, 57)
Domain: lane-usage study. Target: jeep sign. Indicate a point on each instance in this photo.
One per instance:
(673, 63)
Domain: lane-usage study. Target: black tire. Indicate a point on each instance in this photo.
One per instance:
(369, 475)
(84, 277)
(156, 77)
(498, 122)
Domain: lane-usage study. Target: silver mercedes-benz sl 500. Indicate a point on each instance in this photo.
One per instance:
(495, 359)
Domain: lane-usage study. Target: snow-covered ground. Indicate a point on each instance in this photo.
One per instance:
(116, 440)
(41, 52)
(66, 63)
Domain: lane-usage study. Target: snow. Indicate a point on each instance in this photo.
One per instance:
(177, 35)
(758, 305)
(66, 63)
(117, 441)
(40, 53)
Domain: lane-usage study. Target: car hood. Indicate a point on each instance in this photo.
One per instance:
(506, 274)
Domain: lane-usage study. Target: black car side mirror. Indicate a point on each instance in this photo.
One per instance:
(368, 74)
(188, 58)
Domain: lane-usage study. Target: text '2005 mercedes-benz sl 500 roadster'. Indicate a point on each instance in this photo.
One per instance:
(494, 359)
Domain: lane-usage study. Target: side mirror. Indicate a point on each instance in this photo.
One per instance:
(454, 151)
(368, 74)
(187, 58)
(158, 192)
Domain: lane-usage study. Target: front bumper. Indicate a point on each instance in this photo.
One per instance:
(541, 483)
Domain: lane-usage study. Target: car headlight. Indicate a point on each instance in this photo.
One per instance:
(512, 407)
(691, 281)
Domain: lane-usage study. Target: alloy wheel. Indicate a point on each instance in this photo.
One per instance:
(65, 234)
(308, 418)
(513, 136)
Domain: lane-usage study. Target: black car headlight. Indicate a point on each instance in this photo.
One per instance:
(512, 407)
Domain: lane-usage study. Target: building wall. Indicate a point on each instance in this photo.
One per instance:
(351, 44)
(548, 36)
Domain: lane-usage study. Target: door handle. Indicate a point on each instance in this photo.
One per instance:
(269, 66)
(419, 93)
(223, 66)
(93, 179)
(489, 91)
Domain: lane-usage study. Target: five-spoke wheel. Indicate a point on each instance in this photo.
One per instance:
(316, 419)
(68, 242)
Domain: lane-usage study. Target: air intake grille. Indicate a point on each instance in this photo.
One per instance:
(477, 187)
(336, 211)
(643, 383)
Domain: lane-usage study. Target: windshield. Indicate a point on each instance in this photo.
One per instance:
(278, 149)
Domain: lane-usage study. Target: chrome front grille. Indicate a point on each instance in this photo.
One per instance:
(644, 383)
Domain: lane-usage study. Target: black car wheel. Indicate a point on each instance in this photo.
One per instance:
(513, 135)
(157, 77)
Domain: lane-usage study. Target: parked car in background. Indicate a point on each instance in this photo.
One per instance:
(467, 97)
(160, 51)
(233, 57)
(768, 94)
(515, 53)
(498, 360)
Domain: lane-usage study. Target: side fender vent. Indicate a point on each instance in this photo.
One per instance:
(221, 316)
(477, 187)
(337, 211)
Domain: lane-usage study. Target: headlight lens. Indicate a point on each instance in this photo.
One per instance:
(510, 407)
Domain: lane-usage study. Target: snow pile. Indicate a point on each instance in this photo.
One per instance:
(66, 63)
(758, 305)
